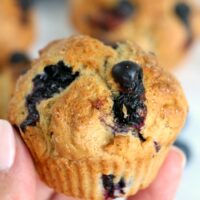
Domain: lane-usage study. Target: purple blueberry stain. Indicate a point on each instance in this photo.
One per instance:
(117, 128)
(113, 189)
(54, 79)
(129, 105)
(157, 146)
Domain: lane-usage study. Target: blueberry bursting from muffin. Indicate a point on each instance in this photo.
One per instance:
(129, 112)
(129, 107)
(53, 80)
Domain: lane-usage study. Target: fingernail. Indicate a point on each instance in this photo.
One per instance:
(181, 155)
(7, 145)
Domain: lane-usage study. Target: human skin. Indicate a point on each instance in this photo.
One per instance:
(20, 181)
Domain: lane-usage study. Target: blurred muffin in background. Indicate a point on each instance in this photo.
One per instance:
(17, 65)
(165, 27)
(17, 27)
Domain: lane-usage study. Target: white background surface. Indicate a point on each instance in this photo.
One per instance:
(53, 24)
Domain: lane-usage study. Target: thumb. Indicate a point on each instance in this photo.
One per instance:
(17, 174)
(166, 183)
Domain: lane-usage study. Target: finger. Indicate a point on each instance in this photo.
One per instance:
(61, 197)
(43, 192)
(18, 179)
(16, 175)
(7, 147)
(167, 181)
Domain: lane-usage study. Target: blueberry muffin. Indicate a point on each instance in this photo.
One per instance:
(17, 65)
(17, 26)
(98, 120)
(165, 27)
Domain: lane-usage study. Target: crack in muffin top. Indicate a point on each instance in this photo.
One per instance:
(128, 111)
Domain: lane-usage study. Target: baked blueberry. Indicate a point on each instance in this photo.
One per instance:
(157, 146)
(53, 80)
(123, 9)
(183, 12)
(113, 190)
(127, 74)
(25, 4)
(129, 106)
(135, 110)
(108, 185)
(18, 57)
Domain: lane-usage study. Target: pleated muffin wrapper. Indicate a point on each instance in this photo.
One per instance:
(84, 178)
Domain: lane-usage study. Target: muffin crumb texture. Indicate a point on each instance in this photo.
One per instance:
(98, 121)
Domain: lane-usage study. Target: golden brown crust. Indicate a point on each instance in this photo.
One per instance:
(154, 26)
(72, 143)
(17, 31)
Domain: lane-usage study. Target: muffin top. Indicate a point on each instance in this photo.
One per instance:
(85, 100)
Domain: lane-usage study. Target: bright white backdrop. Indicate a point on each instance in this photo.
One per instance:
(53, 24)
